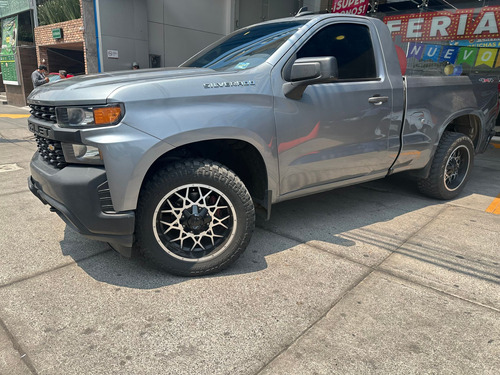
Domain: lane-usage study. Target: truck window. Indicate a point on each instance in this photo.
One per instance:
(246, 48)
(351, 45)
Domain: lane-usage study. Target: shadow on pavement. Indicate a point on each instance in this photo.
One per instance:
(364, 223)
(327, 215)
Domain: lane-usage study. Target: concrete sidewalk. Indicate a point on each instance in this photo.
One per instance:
(368, 279)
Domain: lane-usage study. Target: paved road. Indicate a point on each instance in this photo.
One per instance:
(368, 279)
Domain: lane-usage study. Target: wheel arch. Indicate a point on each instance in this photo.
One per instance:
(467, 124)
(242, 157)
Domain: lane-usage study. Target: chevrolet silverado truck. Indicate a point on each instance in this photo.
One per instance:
(174, 162)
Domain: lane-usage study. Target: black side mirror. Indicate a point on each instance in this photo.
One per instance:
(310, 71)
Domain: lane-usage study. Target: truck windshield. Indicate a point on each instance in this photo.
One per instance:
(247, 48)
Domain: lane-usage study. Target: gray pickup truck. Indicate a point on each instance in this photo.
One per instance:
(174, 162)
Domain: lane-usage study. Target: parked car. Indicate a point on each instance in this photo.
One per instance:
(175, 161)
(56, 77)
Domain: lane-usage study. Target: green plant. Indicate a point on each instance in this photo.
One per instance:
(54, 11)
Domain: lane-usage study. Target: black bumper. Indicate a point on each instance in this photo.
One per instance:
(72, 192)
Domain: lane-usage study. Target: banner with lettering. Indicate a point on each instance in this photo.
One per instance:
(458, 25)
(472, 56)
(486, 43)
(432, 52)
(358, 7)
(486, 56)
(449, 54)
(8, 54)
(467, 56)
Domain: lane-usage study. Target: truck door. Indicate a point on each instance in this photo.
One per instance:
(337, 132)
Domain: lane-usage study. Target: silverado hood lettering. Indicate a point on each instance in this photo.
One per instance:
(216, 85)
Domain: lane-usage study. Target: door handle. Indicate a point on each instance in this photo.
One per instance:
(377, 100)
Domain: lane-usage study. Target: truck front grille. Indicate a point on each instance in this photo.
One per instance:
(47, 113)
(51, 151)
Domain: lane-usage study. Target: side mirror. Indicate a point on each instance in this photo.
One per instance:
(310, 71)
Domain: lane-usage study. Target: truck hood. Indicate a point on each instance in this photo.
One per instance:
(95, 88)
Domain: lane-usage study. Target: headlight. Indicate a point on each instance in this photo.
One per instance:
(78, 116)
(86, 117)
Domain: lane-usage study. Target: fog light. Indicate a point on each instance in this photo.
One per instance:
(86, 152)
(82, 154)
(79, 150)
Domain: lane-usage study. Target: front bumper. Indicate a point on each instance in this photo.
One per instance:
(75, 193)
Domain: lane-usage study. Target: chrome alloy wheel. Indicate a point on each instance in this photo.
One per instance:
(456, 168)
(194, 222)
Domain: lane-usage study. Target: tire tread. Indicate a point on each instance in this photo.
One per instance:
(432, 185)
(193, 168)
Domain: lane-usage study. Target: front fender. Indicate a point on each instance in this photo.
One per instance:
(266, 147)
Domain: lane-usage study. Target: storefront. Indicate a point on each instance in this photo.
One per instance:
(445, 37)
(17, 56)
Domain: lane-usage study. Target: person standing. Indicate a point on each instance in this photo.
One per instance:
(38, 76)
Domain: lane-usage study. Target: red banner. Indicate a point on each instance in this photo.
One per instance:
(358, 7)
(460, 24)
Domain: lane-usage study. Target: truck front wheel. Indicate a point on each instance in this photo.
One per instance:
(195, 217)
(450, 167)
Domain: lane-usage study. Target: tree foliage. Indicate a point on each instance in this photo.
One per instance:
(54, 11)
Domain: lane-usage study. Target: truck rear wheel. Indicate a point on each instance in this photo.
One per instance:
(450, 168)
(195, 217)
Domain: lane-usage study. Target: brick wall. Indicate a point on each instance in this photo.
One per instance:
(72, 32)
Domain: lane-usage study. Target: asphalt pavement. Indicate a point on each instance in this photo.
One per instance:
(373, 278)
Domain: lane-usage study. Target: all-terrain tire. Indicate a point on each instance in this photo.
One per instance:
(451, 167)
(194, 218)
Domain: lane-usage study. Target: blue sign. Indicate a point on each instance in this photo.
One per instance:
(449, 54)
(432, 52)
(484, 43)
